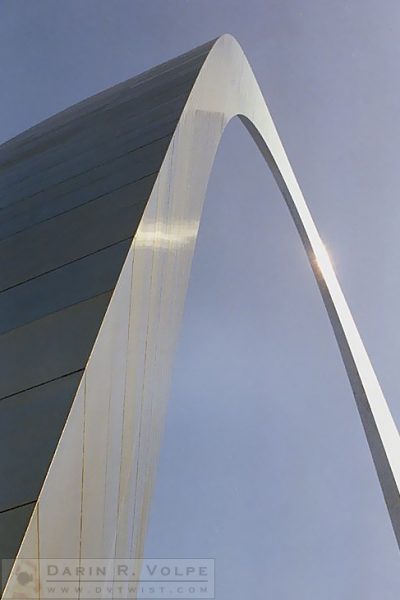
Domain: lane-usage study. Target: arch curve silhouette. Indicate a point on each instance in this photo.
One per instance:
(102, 473)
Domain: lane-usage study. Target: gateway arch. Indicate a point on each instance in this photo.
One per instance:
(101, 207)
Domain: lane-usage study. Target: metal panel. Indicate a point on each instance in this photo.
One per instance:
(51, 347)
(76, 233)
(12, 528)
(71, 284)
(40, 207)
(30, 427)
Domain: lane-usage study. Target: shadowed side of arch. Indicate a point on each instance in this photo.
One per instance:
(102, 473)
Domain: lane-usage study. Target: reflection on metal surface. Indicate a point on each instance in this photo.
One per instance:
(324, 261)
(102, 473)
(158, 235)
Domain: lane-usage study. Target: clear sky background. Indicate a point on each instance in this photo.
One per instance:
(264, 464)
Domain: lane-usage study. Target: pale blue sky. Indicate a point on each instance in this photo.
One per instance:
(264, 464)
